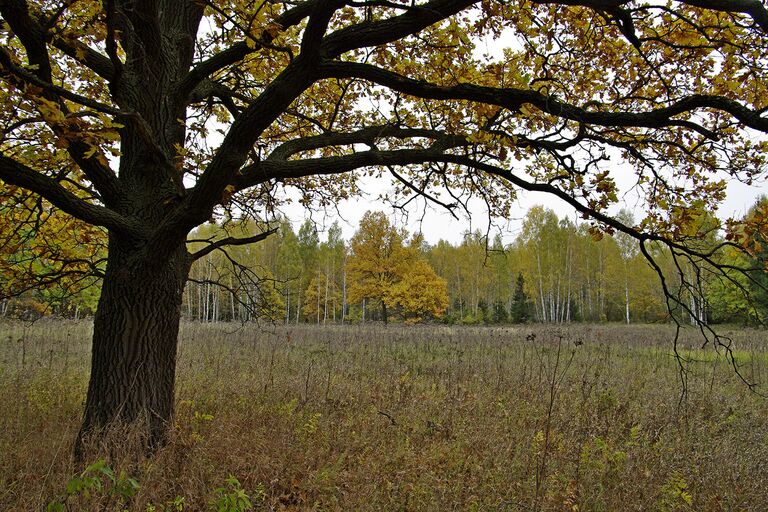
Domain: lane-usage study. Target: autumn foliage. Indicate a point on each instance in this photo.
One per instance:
(386, 271)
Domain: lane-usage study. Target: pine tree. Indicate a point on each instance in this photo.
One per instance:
(500, 315)
(521, 305)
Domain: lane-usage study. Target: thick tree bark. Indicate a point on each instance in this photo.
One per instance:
(133, 361)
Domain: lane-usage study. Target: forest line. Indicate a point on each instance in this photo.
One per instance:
(555, 271)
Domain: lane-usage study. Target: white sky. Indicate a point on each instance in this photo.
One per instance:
(437, 224)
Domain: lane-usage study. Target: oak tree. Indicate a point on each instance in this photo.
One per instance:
(108, 107)
(419, 294)
(378, 261)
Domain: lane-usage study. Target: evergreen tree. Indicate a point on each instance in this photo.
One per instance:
(521, 305)
(482, 315)
(500, 315)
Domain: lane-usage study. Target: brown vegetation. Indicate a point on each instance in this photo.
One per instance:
(405, 418)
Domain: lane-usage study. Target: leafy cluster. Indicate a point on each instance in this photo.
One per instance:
(384, 270)
(453, 99)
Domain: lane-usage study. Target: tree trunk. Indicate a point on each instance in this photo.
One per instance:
(135, 333)
(344, 291)
(298, 304)
(626, 291)
(287, 305)
(541, 288)
(325, 303)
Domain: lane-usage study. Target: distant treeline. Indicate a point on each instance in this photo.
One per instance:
(555, 271)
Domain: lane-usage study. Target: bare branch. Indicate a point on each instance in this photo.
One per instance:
(421, 192)
(218, 244)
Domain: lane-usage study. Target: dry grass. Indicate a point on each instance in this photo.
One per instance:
(417, 418)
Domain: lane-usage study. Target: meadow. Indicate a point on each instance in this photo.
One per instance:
(578, 418)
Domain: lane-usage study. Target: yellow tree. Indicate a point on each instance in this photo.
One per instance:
(51, 261)
(307, 92)
(419, 294)
(378, 261)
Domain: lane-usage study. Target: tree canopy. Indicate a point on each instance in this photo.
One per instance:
(390, 273)
(109, 110)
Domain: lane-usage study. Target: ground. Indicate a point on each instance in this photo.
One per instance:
(401, 418)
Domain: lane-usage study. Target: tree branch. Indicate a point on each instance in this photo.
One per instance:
(316, 27)
(30, 78)
(228, 241)
(513, 98)
(30, 33)
(198, 205)
(33, 38)
(367, 135)
(111, 42)
(100, 175)
(421, 192)
(240, 50)
(261, 172)
(85, 55)
(381, 32)
(754, 8)
(16, 173)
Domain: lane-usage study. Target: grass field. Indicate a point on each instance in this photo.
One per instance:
(403, 418)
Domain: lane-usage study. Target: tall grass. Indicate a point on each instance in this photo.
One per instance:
(406, 418)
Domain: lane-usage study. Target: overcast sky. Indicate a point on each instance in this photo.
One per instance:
(437, 224)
